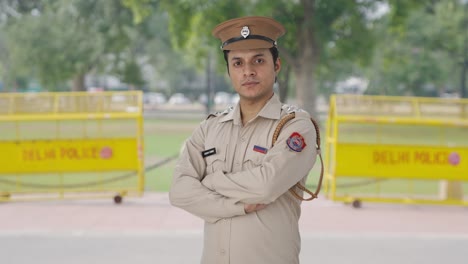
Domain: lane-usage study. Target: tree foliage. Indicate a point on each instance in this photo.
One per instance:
(422, 55)
(319, 32)
(412, 47)
(65, 39)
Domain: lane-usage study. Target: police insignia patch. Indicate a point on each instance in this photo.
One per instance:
(296, 142)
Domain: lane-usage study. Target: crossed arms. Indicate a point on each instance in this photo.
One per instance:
(224, 194)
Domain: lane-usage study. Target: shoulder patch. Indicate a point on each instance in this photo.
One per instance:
(220, 113)
(296, 142)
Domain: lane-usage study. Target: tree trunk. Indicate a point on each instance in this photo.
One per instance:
(15, 86)
(78, 83)
(283, 83)
(305, 87)
(306, 61)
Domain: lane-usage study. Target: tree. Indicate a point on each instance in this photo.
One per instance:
(61, 40)
(11, 8)
(421, 55)
(318, 31)
(322, 35)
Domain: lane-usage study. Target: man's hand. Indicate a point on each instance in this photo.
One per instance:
(249, 208)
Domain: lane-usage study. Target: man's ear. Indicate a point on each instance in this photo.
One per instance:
(277, 65)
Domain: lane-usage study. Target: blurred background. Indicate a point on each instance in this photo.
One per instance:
(417, 50)
(165, 48)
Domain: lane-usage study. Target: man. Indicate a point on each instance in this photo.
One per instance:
(230, 174)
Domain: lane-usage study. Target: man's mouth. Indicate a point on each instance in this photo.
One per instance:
(249, 83)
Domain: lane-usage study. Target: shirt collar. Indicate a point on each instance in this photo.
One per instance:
(271, 110)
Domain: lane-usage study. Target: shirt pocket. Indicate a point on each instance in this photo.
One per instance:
(253, 159)
(216, 162)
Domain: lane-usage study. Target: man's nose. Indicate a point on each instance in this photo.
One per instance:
(249, 70)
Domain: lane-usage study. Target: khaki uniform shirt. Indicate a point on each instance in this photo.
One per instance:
(246, 169)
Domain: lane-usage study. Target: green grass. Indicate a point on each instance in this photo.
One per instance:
(160, 179)
(164, 138)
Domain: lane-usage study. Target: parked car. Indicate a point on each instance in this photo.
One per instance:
(224, 98)
(154, 98)
(179, 99)
(235, 98)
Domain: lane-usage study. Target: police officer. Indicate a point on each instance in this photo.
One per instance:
(231, 174)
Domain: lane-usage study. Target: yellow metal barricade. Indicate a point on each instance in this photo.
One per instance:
(71, 145)
(397, 150)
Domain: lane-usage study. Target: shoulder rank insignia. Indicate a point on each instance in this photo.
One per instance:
(296, 142)
(225, 112)
(291, 108)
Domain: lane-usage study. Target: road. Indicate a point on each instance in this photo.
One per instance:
(148, 230)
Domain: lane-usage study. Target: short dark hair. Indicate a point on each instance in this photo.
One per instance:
(273, 50)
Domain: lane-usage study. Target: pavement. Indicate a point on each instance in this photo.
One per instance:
(149, 230)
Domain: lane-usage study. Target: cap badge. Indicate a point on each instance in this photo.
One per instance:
(245, 32)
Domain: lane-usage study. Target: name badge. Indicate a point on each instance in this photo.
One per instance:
(208, 152)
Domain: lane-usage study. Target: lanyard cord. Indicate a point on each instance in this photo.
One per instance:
(313, 195)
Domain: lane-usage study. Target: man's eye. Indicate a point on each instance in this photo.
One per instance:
(259, 61)
(237, 63)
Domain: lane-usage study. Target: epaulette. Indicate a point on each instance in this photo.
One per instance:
(221, 113)
(291, 109)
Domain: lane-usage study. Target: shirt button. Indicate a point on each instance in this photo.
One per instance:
(242, 139)
(222, 252)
